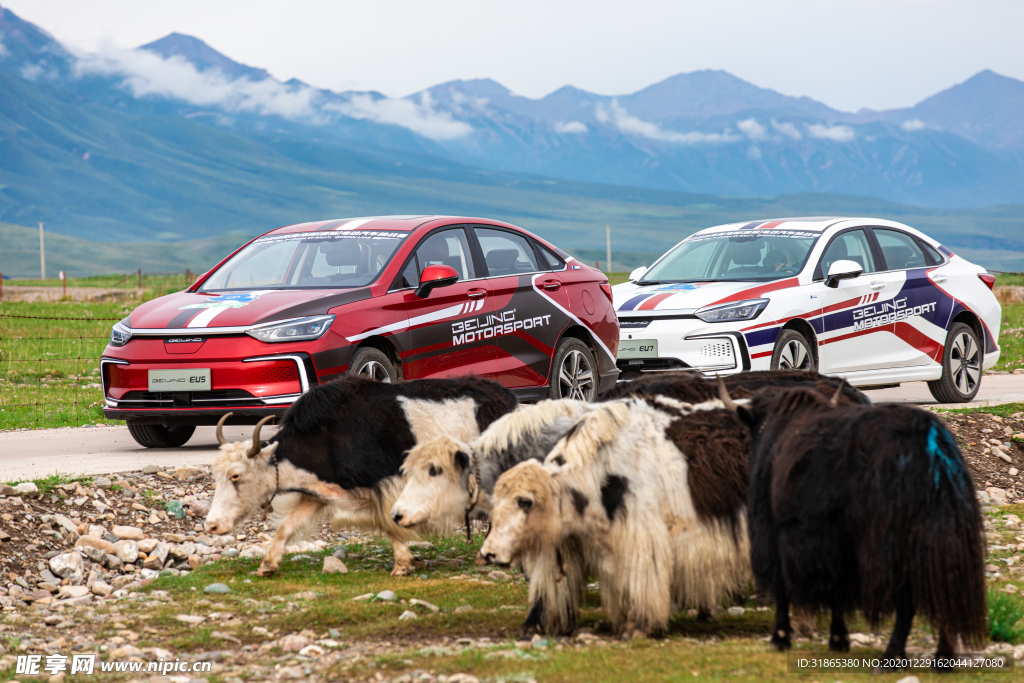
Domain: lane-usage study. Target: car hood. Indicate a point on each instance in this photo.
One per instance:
(630, 299)
(237, 309)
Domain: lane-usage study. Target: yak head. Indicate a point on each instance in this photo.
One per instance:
(437, 485)
(778, 405)
(525, 513)
(245, 477)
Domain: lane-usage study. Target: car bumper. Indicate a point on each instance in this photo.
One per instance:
(681, 345)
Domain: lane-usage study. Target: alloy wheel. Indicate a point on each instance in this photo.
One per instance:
(965, 363)
(576, 377)
(375, 370)
(794, 356)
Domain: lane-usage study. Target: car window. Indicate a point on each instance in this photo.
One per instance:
(900, 250)
(932, 253)
(553, 262)
(448, 247)
(850, 246)
(506, 253)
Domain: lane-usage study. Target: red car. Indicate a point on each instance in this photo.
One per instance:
(394, 297)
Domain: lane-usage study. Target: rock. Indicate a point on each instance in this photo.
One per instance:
(251, 553)
(65, 523)
(423, 603)
(332, 565)
(126, 651)
(147, 545)
(1010, 588)
(73, 591)
(997, 495)
(27, 489)
(175, 509)
(736, 611)
(340, 553)
(7, 490)
(199, 508)
(499, 576)
(68, 566)
(127, 551)
(181, 552)
(52, 587)
(174, 538)
(1013, 472)
(150, 469)
(102, 589)
(364, 596)
(119, 582)
(406, 615)
(463, 608)
(102, 483)
(311, 651)
(293, 643)
(97, 543)
(95, 554)
(112, 562)
(1002, 455)
(422, 545)
(291, 673)
(463, 678)
(217, 588)
(386, 596)
(158, 557)
(190, 618)
(195, 562)
(186, 472)
(984, 498)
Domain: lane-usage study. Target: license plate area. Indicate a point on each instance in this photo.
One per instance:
(183, 379)
(638, 348)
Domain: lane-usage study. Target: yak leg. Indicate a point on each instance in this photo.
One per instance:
(897, 648)
(403, 557)
(301, 516)
(945, 651)
(839, 636)
(781, 631)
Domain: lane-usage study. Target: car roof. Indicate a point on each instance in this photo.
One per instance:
(803, 224)
(385, 223)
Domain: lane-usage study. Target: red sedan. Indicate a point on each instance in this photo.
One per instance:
(394, 297)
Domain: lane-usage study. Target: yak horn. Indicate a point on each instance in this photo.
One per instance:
(255, 449)
(834, 401)
(220, 429)
(723, 395)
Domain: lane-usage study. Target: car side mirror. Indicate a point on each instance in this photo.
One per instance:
(637, 273)
(842, 270)
(436, 276)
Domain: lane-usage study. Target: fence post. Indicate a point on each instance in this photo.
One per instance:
(140, 278)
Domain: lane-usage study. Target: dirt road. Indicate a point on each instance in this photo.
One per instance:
(100, 450)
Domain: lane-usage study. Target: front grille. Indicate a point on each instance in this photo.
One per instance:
(181, 399)
(281, 373)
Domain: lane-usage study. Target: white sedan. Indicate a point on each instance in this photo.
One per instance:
(873, 301)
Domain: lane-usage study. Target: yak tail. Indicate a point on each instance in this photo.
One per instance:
(948, 562)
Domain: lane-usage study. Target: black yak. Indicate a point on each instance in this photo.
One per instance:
(868, 508)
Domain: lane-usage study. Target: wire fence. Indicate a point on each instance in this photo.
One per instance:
(49, 370)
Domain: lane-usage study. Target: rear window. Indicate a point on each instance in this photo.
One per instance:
(334, 259)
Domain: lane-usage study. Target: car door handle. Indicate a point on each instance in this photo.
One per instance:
(938, 279)
(476, 293)
(551, 285)
(877, 285)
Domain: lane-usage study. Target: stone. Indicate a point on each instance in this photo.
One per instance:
(68, 566)
(997, 495)
(127, 551)
(147, 545)
(95, 554)
(97, 543)
(126, 651)
(311, 651)
(499, 576)
(195, 562)
(422, 545)
(73, 591)
(386, 596)
(181, 552)
(190, 618)
(186, 472)
(174, 509)
(199, 508)
(217, 588)
(340, 553)
(332, 565)
(406, 615)
(27, 489)
(251, 553)
(102, 589)
(364, 596)
(463, 608)
(102, 483)
(150, 469)
(291, 673)
(293, 642)
(65, 523)
(158, 557)
(423, 603)
(174, 538)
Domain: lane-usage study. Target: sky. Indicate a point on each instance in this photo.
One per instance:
(849, 54)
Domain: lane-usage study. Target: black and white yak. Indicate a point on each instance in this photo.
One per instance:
(656, 491)
(868, 508)
(339, 454)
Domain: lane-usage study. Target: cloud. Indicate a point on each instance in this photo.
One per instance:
(912, 125)
(568, 127)
(144, 73)
(419, 117)
(787, 129)
(752, 129)
(3, 50)
(754, 153)
(629, 124)
(836, 133)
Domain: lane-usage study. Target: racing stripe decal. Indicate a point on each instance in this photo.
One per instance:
(758, 292)
(654, 301)
(451, 311)
(352, 225)
(634, 302)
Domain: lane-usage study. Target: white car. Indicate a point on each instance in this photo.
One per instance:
(873, 301)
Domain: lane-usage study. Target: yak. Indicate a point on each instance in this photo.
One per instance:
(339, 453)
(862, 507)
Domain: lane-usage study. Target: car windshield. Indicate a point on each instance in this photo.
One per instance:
(753, 255)
(333, 259)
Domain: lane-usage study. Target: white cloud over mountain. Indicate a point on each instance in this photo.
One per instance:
(632, 125)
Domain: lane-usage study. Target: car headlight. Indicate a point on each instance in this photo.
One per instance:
(300, 329)
(737, 310)
(120, 333)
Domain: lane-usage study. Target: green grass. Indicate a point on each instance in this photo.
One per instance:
(1002, 410)
(1004, 617)
(1011, 338)
(48, 485)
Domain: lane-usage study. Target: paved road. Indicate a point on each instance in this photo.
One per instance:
(101, 450)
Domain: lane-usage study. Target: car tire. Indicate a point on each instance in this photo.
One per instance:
(793, 352)
(573, 372)
(962, 360)
(161, 436)
(373, 363)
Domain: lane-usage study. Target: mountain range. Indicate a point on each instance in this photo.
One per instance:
(174, 140)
